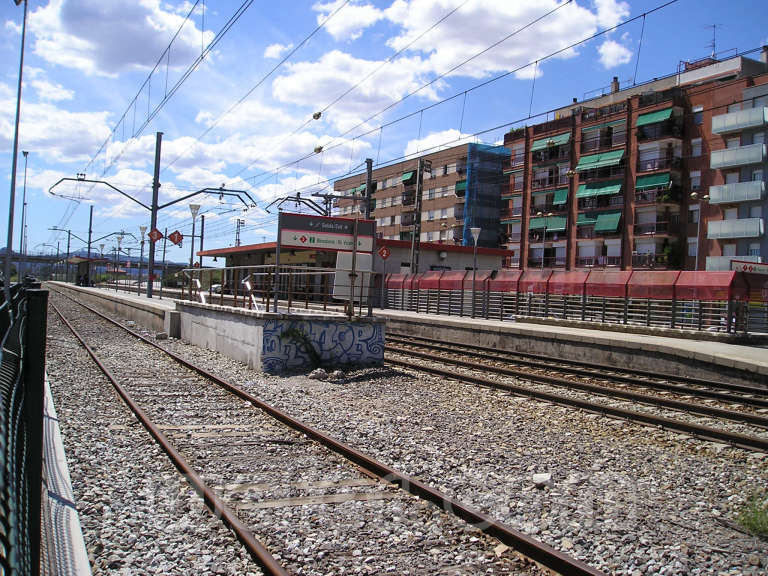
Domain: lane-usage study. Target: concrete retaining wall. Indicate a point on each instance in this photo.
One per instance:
(278, 342)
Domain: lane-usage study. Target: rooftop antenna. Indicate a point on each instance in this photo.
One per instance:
(713, 44)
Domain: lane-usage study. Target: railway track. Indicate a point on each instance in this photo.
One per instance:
(599, 390)
(255, 466)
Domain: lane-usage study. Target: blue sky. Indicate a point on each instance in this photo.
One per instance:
(238, 121)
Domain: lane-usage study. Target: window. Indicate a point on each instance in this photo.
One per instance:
(430, 236)
(431, 215)
(731, 177)
(731, 214)
(696, 147)
(733, 142)
(450, 168)
(444, 213)
(517, 181)
(431, 194)
(693, 246)
(757, 175)
(756, 211)
(392, 220)
(758, 138)
(754, 249)
(693, 215)
(695, 176)
(518, 154)
(698, 114)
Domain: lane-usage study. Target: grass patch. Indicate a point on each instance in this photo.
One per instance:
(753, 516)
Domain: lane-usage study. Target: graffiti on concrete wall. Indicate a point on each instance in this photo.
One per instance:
(335, 343)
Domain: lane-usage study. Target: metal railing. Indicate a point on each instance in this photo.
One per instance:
(22, 375)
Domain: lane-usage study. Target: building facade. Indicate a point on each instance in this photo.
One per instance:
(670, 174)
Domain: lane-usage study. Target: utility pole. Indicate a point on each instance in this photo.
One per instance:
(237, 231)
(90, 232)
(424, 166)
(22, 236)
(69, 238)
(153, 218)
(368, 186)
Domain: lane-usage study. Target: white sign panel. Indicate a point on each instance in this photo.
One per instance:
(324, 240)
(754, 267)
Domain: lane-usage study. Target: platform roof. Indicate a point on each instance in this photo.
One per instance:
(571, 282)
(534, 281)
(653, 284)
(709, 286)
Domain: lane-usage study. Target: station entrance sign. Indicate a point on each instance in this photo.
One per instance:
(325, 233)
(744, 266)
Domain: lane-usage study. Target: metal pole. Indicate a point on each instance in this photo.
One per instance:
(153, 218)
(353, 273)
(90, 232)
(544, 244)
(368, 186)
(9, 243)
(141, 259)
(162, 279)
(202, 233)
(69, 239)
(277, 257)
(192, 244)
(23, 214)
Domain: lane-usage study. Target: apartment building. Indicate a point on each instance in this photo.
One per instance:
(669, 174)
(456, 189)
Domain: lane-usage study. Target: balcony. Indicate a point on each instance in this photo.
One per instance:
(598, 261)
(652, 228)
(549, 181)
(740, 120)
(651, 164)
(659, 131)
(733, 229)
(409, 198)
(591, 114)
(509, 213)
(601, 202)
(559, 124)
(513, 237)
(650, 260)
(653, 98)
(662, 196)
(602, 142)
(734, 157)
(408, 219)
(600, 173)
(548, 262)
(737, 192)
(724, 262)
(551, 154)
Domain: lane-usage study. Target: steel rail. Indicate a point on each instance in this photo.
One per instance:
(216, 505)
(535, 360)
(734, 415)
(521, 542)
(705, 432)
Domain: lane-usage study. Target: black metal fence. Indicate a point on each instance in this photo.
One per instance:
(23, 325)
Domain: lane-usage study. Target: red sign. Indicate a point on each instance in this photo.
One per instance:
(176, 237)
(384, 252)
(155, 235)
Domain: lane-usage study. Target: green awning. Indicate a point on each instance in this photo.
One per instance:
(653, 117)
(408, 176)
(551, 223)
(611, 158)
(461, 185)
(607, 222)
(586, 219)
(604, 125)
(561, 196)
(360, 188)
(598, 189)
(558, 140)
(512, 220)
(652, 181)
(507, 172)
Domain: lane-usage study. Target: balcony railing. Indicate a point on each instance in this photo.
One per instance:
(597, 113)
(615, 172)
(544, 208)
(731, 229)
(560, 123)
(507, 213)
(548, 262)
(549, 181)
(598, 261)
(741, 156)
(666, 163)
(513, 237)
(724, 262)
(552, 154)
(737, 192)
(659, 130)
(588, 232)
(653, 98)
(409, 198)
(740, 120)
(616, 201)
(649, 260)
(408, 219)
(599, 143)
(657, 196)
(653, 228)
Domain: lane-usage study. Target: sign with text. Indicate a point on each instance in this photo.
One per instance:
(754, 267)
(325, 233)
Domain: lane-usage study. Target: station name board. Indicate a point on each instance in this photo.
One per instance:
(325, 233)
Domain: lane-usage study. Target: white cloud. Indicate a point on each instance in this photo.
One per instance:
(437, 141)
(46, 90)
(276, 50)
(350, 21)
(613, 54)
(106, 38)
(611, 12)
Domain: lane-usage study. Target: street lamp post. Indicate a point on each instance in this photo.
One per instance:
(117, 258)
(475, 235)
(194, 208)
(143, 230)
(9, 243)
(695, 196)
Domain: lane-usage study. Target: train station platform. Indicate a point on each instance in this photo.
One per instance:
(668, 351)
(672, 353)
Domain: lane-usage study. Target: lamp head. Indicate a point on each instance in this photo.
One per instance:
(475, 231)
(194, 208)
(143, 230)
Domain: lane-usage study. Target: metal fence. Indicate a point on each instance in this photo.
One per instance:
(23, 327)
(703, 315)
